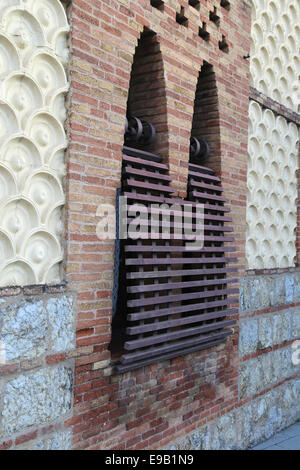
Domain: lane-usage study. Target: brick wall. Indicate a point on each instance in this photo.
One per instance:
(149, 407)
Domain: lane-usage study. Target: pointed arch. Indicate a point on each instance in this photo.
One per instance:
(147, 90)
(206, 124)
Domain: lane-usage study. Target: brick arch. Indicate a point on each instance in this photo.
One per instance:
(147, 89)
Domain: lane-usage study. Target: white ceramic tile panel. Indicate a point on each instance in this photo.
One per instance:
(272, 190)
(275, 60)
(33, 84)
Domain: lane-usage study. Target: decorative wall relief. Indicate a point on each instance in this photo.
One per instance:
(275, 61)
(33, 85)
(272, 190)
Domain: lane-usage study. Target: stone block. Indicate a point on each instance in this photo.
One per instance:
(59, 441)
(262, 291)
(36, 399)
(248, 338)
(295, 328)
(24, 330)
(265, 332)
(266, 370)
(62, 323)
(277, 328)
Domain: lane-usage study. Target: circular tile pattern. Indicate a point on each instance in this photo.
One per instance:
(272, 190)
(274, 64)
(33, 85)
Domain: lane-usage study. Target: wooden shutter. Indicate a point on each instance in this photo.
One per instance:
(177, 301)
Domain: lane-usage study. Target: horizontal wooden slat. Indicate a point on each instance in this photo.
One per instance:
(187, 225)
(174, 236)
(146, 315)
(147, 174)
(179, 285)
(175, 273)
(206, 196)
(183, 261)
(165, 299)
(178, 249)
(164, 325)
(211, 187)
(157, 199)
(147, 186)
(141, 154)
(183, 332)
(163, 357)
(199, 168)
(204, 176)
(216, 207)
(175, 346)
(180, 214)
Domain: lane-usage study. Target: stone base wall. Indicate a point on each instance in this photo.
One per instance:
(37, 335)
(269, 376)
(37, 355)
(248, 424)
(269, 328)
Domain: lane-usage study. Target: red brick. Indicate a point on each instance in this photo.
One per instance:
(26, 438)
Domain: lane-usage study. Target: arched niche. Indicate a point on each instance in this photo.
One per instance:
(147, 95)
(206, 114)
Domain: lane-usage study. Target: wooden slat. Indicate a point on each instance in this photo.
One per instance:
(145, 156)
(178, 249)
(167, 224)
(150, 198)
(179, 285)
(183, 332)
(200, 168)
(211, 187)
(183, 261)
(204, 176)
(146, 315)
(147, 174)
(167, 236)
(147, 186)
(176, 273)
(163, 325)
(180, 297)
(163, 357)
(206, 196)
(216, 207)
(195, 216)
(175, 346)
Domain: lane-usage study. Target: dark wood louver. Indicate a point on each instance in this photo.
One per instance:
(178, 300)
